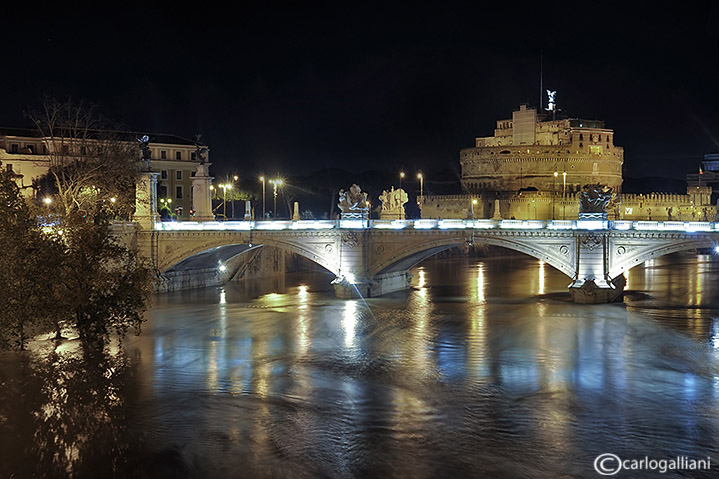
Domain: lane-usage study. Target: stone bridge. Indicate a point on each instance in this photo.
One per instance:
(372, 258)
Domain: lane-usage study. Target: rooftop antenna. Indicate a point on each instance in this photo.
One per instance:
(541, 82)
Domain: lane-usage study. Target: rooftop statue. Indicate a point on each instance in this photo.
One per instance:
(353, 201)
(144, 143)
(200, 150)
(595, 198)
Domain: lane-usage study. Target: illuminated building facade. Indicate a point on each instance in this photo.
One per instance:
(25, 153)
(527, 150)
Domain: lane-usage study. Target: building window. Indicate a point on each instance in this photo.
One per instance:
(163, 191)
(44, 149)
(581, 137)
(178, 155)
(163, 154)
(13, 148)
(178, 192)
(178, 174)
(163, 175)
(192, 174)
(193, 156)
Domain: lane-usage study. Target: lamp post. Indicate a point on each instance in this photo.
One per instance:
(421, 187)
(401, 176)
(232, 200)
(262, 179)
(474, 202)
(275, 183)
(554, 191)
(224, 187)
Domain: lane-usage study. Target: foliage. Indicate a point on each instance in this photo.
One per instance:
(106, 285)
(29, 260)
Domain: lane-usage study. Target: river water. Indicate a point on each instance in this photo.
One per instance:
(484, 369)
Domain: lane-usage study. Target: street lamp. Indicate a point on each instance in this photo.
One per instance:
(224, 187)
(421, 186)
(262, 179)
(401, 175)
(474, 202)
(232, 200)
(275, 183)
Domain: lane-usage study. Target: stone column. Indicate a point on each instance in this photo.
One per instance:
(248, 211)
(201, 199)
(296, 213)
(146, 200)
(496, 215)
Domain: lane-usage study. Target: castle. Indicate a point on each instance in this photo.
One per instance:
(536, 162)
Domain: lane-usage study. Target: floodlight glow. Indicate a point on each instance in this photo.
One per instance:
(222, 268)
(697, 226)
(352, 224)
(350, 278)
(716, 249)
(484, 224)
(591, 224)
(392, 225)
(453, 224)
(425, 224)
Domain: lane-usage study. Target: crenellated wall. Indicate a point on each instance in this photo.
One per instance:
(543, 206)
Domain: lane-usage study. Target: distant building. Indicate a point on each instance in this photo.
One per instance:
(25, 153)
(527, 150)
(707, 176)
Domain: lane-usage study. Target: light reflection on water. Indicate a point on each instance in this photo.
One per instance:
(484, 369)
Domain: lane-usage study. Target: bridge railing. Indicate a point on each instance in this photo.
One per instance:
(441, 224)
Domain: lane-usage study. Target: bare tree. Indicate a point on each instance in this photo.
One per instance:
(93, 167)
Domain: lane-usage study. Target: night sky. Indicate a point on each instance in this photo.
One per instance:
(291, 89)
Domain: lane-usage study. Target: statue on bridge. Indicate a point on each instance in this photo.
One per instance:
(393, 202)
(595, 198)
(353, 203)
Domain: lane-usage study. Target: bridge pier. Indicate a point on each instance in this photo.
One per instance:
(589, 292)
(378, 285)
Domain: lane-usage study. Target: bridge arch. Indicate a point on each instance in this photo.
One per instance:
(623, 257)
(175, 248)
(414, 253)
